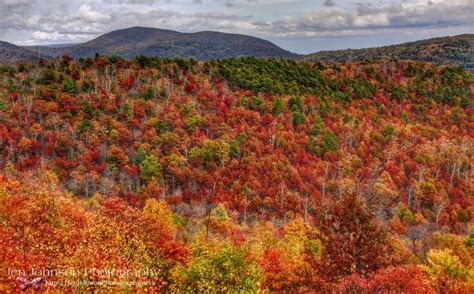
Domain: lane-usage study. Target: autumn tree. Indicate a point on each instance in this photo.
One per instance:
(150, 168)
(353, 240)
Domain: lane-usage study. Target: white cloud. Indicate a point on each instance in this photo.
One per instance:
(45, 37)
(414, 14)
(15, 3)
(62, 21)
(87, 12)
(41, 36)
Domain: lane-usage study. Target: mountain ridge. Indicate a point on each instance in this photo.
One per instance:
(457, 50)
(204, 45)
(135, 41)
(10, 53)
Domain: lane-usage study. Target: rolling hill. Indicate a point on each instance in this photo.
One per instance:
(136, 41)
(456, 50)
(10, 53)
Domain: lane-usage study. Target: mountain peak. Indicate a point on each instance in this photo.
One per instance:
(135, 41)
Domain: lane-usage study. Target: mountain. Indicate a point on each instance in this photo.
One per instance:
(10, 53)
(456, 50)
(53, 50)
(137, 41)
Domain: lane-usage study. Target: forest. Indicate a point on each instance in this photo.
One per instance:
(237, 175)
(453, 50)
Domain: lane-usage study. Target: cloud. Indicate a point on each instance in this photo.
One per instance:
(87, 12)
(87, 22)
(139, 2)
(71, 21)
(329, 3)
(228, 3)
(368, 17)
(12, 13)
(41, 36)
(15, 3)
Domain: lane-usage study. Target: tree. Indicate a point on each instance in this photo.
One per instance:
(447, 272)
(150, 168)
(297, 118)
(329, 142)
(224, 268)
(353, 241)
(278, 106)
(116, 156)
(69, 85)
(399, 279)
(211, 150)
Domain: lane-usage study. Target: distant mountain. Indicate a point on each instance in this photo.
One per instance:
(52, 50)
(136, 41)
(457, 50)
(10, 54)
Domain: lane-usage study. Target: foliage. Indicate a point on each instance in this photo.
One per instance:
(217, 151)
(224, 269)
(290, 176)
(150, 168)
(354, 242)
(448, 272)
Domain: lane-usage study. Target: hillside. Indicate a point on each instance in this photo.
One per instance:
(135, 41)
(10, 54)
(239, 175)
(456, 50)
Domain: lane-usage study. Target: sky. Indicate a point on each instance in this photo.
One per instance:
(301, 26)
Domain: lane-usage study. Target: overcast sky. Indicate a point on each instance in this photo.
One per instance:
(302, 26)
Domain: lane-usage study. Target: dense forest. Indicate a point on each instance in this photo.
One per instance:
(238, 175)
